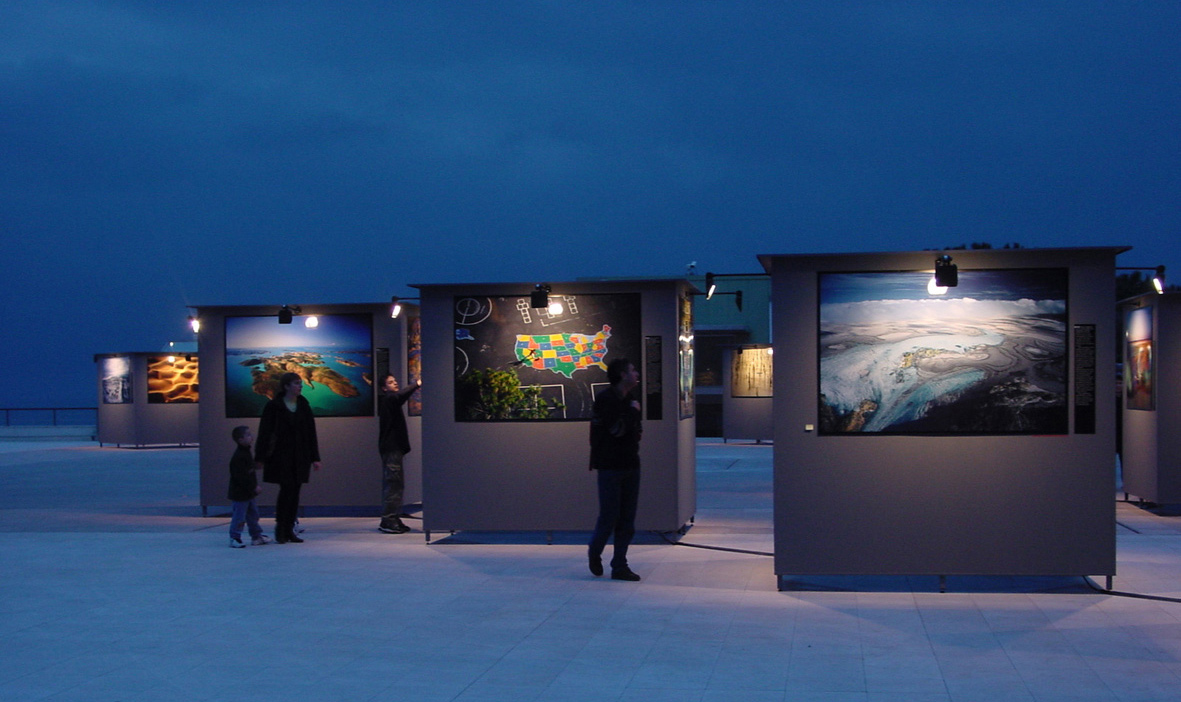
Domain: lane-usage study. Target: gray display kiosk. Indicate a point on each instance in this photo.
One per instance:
(1005, 466)
(1151, 394)
(747, 393)
(147, 399)
(350, 481)
(533, 475)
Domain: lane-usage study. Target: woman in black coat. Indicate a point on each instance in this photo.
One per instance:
(287, 451)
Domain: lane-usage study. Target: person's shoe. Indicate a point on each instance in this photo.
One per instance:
(296, 528)
(394, 526)
(293, 539)
(261, 540)
(596, 565)
(280, 537)
(624, 573)
(236, 543)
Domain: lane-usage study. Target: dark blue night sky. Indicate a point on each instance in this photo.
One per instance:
(1004, 284)
(157, 155)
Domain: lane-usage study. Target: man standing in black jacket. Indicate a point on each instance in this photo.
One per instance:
(615, 453)
(393, 442)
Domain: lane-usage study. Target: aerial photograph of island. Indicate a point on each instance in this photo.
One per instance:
(985, 357)
(334, 359)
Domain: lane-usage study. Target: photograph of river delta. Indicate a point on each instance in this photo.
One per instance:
(985, 357)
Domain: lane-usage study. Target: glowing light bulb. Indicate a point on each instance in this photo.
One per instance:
(555, 307)
(934, 289)
(311, 321)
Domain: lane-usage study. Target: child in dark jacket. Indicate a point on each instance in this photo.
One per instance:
(243, 489)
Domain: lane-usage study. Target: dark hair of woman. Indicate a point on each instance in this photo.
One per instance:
(285, 380)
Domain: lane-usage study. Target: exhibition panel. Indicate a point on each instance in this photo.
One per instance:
(747, 392)
(341, 351)
(1151, 395)
(944, 425)
(147, 399)
(511, 371)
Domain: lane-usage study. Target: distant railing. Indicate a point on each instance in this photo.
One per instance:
(57, 416)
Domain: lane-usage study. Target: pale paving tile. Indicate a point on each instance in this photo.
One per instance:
(750, 670)
(120, 602)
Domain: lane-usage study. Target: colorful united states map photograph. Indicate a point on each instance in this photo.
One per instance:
(561, 351)
(563, 354)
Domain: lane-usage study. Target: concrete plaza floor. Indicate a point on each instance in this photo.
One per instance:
(114, 587)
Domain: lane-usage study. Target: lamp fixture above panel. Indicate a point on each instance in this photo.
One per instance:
(946, 273)
(1158, 275)
(396, 305)
(287, 313)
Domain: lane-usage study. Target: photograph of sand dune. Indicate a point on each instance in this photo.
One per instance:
(172, 379)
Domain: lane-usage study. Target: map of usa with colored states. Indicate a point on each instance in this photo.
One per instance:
(563, 353)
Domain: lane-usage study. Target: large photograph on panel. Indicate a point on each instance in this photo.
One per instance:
(750, 372)
(514, 362)
(901, 356)
(686, 391)
(172, 380)
(334, 358)
(1138, 375)
(414, 363)
(116, 380)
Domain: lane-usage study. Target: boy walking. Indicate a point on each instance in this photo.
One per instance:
(243, 489)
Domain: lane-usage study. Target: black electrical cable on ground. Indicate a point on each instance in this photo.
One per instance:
(1133, 595)
(664, 535)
